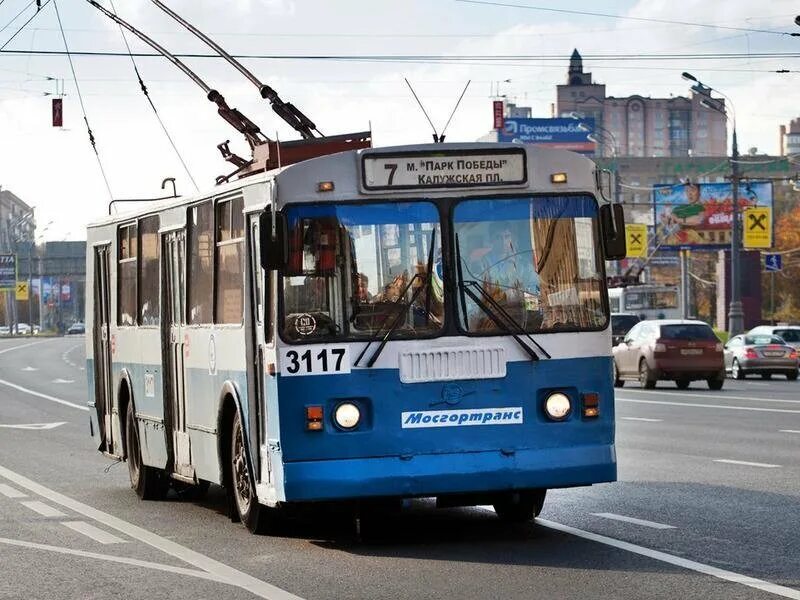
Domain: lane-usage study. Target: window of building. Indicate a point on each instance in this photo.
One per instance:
(149, 272)
(201, 273)
(229, 248)
(127, 251)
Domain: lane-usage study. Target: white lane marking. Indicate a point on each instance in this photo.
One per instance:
(34, 425)
(43, 509)
(59, 380)
(713, 396)
(685, 563)
(641, 419)
(220, 570)
(116, 559)
(746, 463)
(29, 368)
(4, 350)
(89, 530)
(41, 395)
(721, 406)
(642, 522)
(757, 383)
(789, 430)
(10, 492)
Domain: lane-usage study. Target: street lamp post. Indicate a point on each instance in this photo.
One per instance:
(735, 312)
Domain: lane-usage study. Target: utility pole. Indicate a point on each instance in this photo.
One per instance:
(735, 313)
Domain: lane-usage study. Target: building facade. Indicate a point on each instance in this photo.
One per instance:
(790, 138)
(643, 126)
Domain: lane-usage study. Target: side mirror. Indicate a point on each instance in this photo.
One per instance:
(612, 229)
(274, 250)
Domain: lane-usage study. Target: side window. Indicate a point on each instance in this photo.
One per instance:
(127, 251)
(149, 277)
(230, 272)
(201, 259)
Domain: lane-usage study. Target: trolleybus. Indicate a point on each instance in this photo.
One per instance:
(647, 300)
(417, 321)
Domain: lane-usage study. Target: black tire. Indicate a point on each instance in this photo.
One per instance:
(766, 376)
(736, 370)
(520, 507)
(646, 376)
(617, 381)
(149, 483)
(252, 514)
(716, 383)
(682, 383)
(792, 376)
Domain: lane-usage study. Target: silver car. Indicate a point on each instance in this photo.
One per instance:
(788, 333)
(763, 355)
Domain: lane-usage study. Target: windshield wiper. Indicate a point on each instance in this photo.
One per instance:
(403, 306)
(465, 285)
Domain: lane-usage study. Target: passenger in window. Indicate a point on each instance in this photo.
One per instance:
(362, 288)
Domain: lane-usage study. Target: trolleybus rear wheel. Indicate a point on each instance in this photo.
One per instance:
(251, 513)
(149, 483)
(520, 507)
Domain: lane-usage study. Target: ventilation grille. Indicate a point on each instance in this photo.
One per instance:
(447, 364)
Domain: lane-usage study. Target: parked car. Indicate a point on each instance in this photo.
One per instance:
(621, 324)
(76, 328)
(789, 333)
(758, 354)
(4, 330)
(679, 350)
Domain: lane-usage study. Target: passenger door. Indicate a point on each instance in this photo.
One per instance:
(103, 391)
(257, 316)
(175, 378)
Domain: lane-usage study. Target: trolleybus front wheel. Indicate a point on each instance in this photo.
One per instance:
(149, 483)
(520, 507)
(252, 514)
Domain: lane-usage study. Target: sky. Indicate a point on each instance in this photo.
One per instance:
(56, 171)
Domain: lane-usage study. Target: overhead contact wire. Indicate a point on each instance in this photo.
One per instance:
(152, 105)
(80, 99)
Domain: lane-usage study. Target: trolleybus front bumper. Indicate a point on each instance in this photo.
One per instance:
(438, 474)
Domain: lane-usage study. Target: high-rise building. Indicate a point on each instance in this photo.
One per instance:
(17, 222)
(644, 126)
(790, 138)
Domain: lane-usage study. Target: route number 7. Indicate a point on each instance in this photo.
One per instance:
(392, 168)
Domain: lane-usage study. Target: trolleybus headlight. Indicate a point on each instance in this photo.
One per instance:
(347, 415)
(557, 406)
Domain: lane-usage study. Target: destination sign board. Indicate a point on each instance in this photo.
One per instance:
(444, 169)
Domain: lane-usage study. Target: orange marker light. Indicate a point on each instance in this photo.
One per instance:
(325, 186)
(314, 416)
(591, 404)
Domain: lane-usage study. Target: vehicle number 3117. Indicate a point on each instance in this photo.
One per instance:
(314, 360)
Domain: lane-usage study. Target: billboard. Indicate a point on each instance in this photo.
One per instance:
(8, 271)
(553, 133)
(693, 215)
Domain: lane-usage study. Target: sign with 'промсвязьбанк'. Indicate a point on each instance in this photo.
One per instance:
(444, 169)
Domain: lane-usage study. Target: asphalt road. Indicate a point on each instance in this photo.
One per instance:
(708, 505)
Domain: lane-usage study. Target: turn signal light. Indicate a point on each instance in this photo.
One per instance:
(591, 405)
(325, 186)
(314, 418)
(793, 354)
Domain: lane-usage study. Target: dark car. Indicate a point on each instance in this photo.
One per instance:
(76, 328)
(764, 355)
(679, 350)
(621, 323)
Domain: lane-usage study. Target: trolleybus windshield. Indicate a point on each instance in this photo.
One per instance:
(535, 257)
(352, 269)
